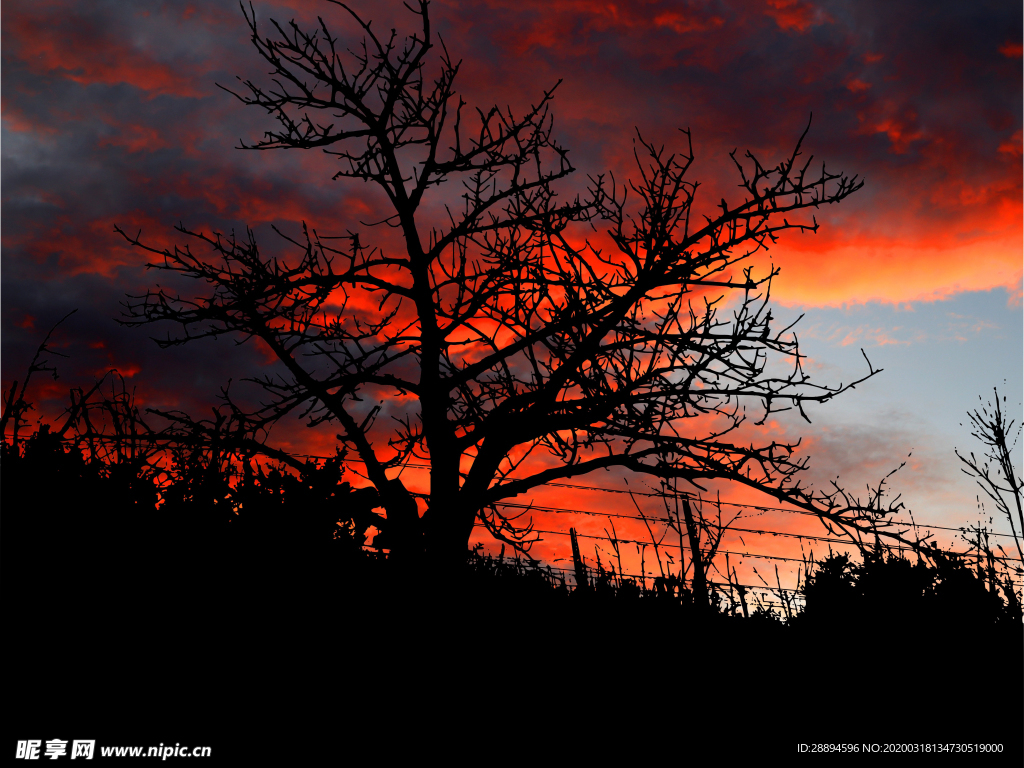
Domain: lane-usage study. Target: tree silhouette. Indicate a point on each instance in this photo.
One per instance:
(995, 474)
(507, 332)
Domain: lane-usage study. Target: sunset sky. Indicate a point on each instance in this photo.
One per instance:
(111, 115)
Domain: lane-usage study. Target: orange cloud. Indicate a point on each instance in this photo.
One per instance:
(860, 335)
(893, 270)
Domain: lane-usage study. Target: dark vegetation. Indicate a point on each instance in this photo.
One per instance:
(197, 572)
(196, 516)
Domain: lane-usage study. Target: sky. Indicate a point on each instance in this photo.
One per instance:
(111, 115)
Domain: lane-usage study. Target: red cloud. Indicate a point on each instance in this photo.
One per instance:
(1012, 50)
(127, 370)
(1012, 146)
(682, 24)
(795, 14)
(71, 46)
(901, 132)
(135, 138)
(16, 120)
(91, 247)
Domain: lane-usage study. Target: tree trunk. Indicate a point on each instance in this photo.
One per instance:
(403, 533)
(447, 528)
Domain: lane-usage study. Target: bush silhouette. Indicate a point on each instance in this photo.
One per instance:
(891, 591)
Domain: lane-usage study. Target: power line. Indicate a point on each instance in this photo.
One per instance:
(763, 508)
(561, 510)
(760, 507)
(688, 548)
(652, 575)
(671, 546)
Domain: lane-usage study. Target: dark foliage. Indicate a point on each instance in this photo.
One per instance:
(888, 590)
(124, 535)
(85, 521)
(260, 590)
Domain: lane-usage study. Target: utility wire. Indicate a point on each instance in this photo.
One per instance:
(561, 510)
(672, 546)
(691, 496)
(653, 575)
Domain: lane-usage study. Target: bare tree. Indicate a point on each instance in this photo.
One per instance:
(511, 334)
(995, 473)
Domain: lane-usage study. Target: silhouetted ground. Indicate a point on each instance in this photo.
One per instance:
(136, 627)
